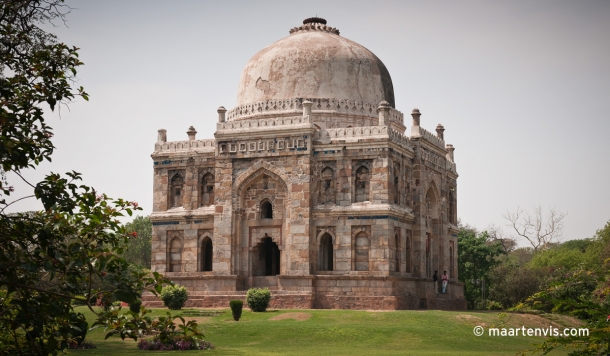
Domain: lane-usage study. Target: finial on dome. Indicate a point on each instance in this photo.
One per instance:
(314, 24)
(314, 20)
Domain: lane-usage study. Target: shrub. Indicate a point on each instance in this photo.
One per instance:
(178, 343)
(493, 305)
(236, 308)
(258, 299)
(174, 297)
(85, 345)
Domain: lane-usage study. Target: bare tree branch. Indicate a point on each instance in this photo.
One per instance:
(539, 230)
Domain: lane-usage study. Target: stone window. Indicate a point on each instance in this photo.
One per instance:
(452, 207)
(451, 260)
(362, 245)
(428, 257)
(206, 254)
(327, 186)
(362, 184)
(396, 253)
(206, 190)
(175, 255)
(176, 191)
(266, 210)
(408, 254)
(431, 204)
(396, 185)
(326, 253)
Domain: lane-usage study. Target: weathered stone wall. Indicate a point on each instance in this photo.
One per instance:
(387, 204)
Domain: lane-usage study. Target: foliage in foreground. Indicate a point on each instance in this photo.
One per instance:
(174, 297)
(167, 334)
(258, 299)
(584, 294)
(70, 250)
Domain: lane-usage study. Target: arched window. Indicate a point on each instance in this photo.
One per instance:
(362, 252)
(396, 185)
(175, 191)
(431, 204)
(175, 255)
(451, 260)
(428, 257)
(327, 186)
(408, 254)
(451, 208)
(396, 253)
(206, 190)
(326, 253)
(362, 184)
(206, 254)
(266, 210)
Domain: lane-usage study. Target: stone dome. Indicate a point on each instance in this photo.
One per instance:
(314, 61)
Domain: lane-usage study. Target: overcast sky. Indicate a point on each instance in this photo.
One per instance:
(522, 88)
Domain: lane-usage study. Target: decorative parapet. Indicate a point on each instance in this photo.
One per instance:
(354, 134)
(451, 166)
(266, 122)
(351, 133)
(295, 105)
(433, 159)
(208, 145)
(265, 107)
(433, 139)
(400, 139)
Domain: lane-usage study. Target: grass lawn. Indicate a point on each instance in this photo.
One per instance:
(344, 332)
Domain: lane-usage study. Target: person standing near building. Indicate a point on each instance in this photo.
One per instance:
(435, 279)
(445, 279)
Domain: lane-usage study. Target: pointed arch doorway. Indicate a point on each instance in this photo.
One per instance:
(267, 258)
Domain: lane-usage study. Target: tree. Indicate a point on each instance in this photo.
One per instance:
(496, 234)
(476, 258)
(538, 230)
(584, 294)
(70, 250)
(138, 250)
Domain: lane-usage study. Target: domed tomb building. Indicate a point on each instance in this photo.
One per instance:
(311, 188)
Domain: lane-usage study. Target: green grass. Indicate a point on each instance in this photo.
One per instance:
(337, 332)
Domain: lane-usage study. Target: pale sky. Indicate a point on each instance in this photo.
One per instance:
(522, 88)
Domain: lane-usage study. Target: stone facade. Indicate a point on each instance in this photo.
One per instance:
(323, 200)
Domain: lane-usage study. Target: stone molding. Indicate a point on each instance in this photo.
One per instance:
(295, 105)
(207, 145)
(354, 134)
(264, 123)
(437, 160)
(433, 139)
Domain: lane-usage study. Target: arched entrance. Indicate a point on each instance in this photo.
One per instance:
(326, 253)
(206, 255)
(267, 260)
